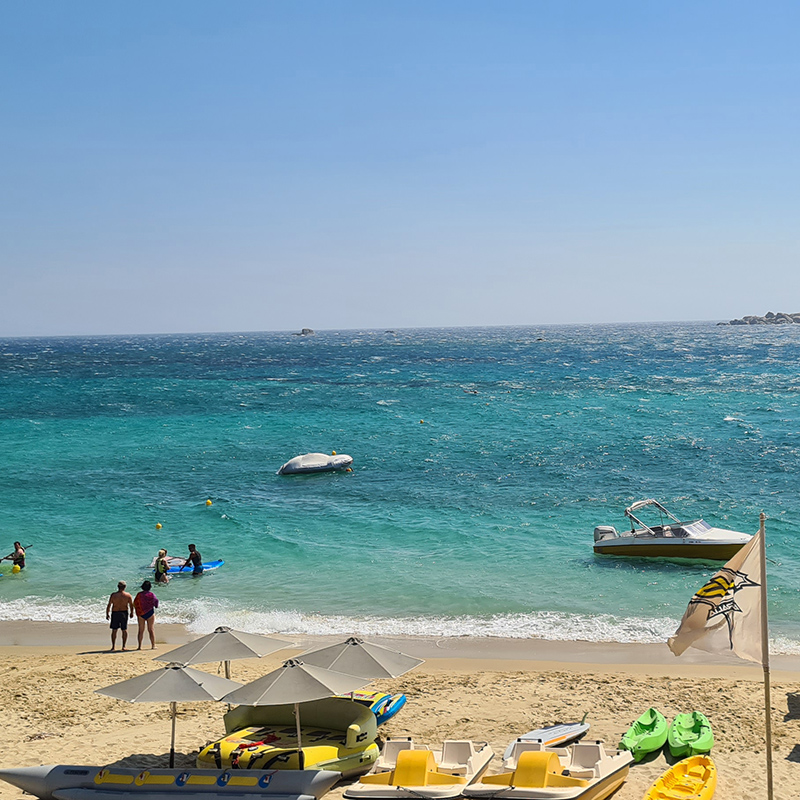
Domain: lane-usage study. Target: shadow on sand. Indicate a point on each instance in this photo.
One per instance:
(793, 702)
(156, 761)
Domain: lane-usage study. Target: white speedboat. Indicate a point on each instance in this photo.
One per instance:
(671, 538)
(315, 462)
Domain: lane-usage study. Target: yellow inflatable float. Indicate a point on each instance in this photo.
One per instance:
(336, 734)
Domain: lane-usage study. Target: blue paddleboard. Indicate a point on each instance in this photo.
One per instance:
(208, 566)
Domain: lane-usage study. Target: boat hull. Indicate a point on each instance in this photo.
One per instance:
(65, 782)
(666, 548)
(598, 790)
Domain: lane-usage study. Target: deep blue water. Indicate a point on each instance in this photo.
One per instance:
(483, 460)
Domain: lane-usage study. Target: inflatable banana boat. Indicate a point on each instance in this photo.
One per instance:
(336, 734)
(117, 783)
(384, 706)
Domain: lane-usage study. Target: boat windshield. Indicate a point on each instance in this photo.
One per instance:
(696, 528)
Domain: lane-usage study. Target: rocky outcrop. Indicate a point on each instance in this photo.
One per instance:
(308, 332)
(768, 319)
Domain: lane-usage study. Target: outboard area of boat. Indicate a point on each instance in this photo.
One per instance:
(602, 532)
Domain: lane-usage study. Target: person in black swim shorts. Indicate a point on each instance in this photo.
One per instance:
(195, 559)
(118, 609)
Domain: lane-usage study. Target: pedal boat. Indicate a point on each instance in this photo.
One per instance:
(337, 735)
(693, 778)
(406, 769)
(583, 771)
(116, 783)
(384, 706)
(669, 539)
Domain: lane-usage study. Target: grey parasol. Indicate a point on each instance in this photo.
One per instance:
(226, 645)
(171, 684)
(357, 657)
(295, 682)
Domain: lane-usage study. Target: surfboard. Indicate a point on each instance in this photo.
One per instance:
(208, 566)
(554, 736)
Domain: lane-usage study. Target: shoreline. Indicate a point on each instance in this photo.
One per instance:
(462, 654)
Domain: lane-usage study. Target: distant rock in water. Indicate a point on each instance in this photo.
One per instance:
(304, 332)
(768, 319)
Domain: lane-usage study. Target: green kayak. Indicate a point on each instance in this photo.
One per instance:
(690, 735)
(646, 735)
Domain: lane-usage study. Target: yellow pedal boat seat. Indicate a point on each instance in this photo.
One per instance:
(536, 770)
(694, 777)
(414, 768)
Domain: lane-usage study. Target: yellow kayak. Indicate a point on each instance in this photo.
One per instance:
(694, 778)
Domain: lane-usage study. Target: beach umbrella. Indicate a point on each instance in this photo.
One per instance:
(357, 657)
(226, 645)
(173, 684)
(295, 682)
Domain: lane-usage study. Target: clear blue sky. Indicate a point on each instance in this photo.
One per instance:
(212, 166)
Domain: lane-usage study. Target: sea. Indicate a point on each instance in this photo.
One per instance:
(483, 458)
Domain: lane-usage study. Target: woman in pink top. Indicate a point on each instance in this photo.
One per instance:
(146, 604)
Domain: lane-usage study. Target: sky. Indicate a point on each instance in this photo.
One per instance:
(189, 165)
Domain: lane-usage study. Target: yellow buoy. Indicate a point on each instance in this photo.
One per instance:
(16, 568)
(208, 502)
(422, 422)
(158, 526)
(333, 452)
(348, 470)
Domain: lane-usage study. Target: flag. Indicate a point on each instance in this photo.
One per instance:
(725, 615)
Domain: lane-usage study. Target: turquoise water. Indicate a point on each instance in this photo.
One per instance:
(483, 460)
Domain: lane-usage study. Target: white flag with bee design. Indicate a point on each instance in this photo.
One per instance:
(725, 615)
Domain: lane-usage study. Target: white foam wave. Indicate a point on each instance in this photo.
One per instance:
(203, 616)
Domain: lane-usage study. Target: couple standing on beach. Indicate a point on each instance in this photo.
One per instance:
(121, 604)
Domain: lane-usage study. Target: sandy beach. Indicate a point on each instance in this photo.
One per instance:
(480, 689)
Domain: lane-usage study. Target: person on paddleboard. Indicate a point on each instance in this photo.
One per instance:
(162, 567)
(195, 559)
(17, 557)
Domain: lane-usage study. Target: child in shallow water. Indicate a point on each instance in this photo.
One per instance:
(145, 603)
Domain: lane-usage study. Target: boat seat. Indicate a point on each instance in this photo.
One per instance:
(586, 756)
(536, 770)
(391, 747)
(522, 746)
(456, 756)
(414, 768)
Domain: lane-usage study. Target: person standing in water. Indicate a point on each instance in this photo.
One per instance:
(196, 560)
(162, 567)
(17, 557)
(145, 603)
(119, 606)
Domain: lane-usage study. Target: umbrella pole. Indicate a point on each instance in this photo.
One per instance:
(174, 707)
(228, 676)
(301, 761)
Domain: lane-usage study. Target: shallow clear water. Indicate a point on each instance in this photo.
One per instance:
(483, 460)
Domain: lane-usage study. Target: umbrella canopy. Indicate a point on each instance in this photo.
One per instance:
(357, 657)
(295, 682)
(171, 684)
(224, 644)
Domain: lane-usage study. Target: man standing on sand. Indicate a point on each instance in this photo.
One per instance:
(119, 608)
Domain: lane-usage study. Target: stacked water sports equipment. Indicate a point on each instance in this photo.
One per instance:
(278, 745)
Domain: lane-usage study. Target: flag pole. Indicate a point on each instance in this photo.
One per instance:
(765, 654)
